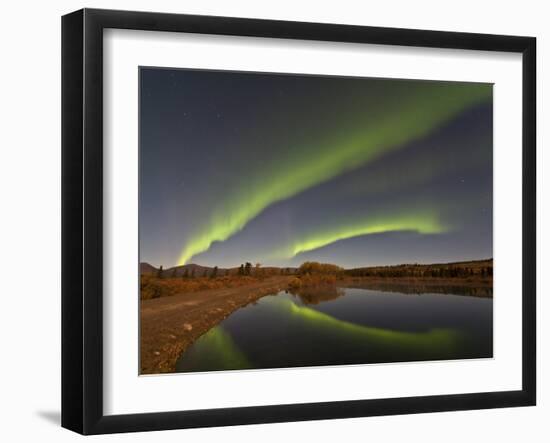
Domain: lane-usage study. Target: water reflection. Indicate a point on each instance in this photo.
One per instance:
(344, 326)
(435, 338)
(219, 351)
(420, 288)
(313, 295)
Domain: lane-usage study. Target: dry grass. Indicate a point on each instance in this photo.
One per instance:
(153, 287)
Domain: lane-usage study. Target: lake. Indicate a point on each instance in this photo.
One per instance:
(338, 326)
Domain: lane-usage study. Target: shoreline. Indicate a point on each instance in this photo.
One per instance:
(169, 325)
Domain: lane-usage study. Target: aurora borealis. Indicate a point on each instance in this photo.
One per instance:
(279, 169)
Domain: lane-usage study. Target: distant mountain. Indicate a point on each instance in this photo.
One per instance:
(200, 271)
(146, 268)
(178, 271)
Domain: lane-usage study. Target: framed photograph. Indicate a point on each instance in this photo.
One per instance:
(269, 221)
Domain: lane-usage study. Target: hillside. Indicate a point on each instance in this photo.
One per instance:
(146, 269)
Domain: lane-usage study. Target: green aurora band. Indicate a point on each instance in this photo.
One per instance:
(354, 143)
(221, 353)
(424, 223)
(434, 339)
(216, 350)
(420, 170)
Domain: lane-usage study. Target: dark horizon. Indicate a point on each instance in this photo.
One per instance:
(477, 260)
(284, 169)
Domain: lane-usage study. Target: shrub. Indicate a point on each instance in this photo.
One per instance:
(314, 268)
(295, 283)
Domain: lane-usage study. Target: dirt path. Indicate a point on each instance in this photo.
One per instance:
(171, 324)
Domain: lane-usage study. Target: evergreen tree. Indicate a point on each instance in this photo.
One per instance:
(159, 272)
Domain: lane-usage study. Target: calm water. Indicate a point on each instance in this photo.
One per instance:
(333, 326)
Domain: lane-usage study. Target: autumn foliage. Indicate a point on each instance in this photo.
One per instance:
(315, 268)
(312, 274)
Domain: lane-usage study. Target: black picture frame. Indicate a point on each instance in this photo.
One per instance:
(82, 221)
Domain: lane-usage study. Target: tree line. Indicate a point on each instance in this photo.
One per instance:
(420, 271)
(161, 273)
(482, 269)
(245, 269)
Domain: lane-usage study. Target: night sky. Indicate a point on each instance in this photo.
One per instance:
(281, 169)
